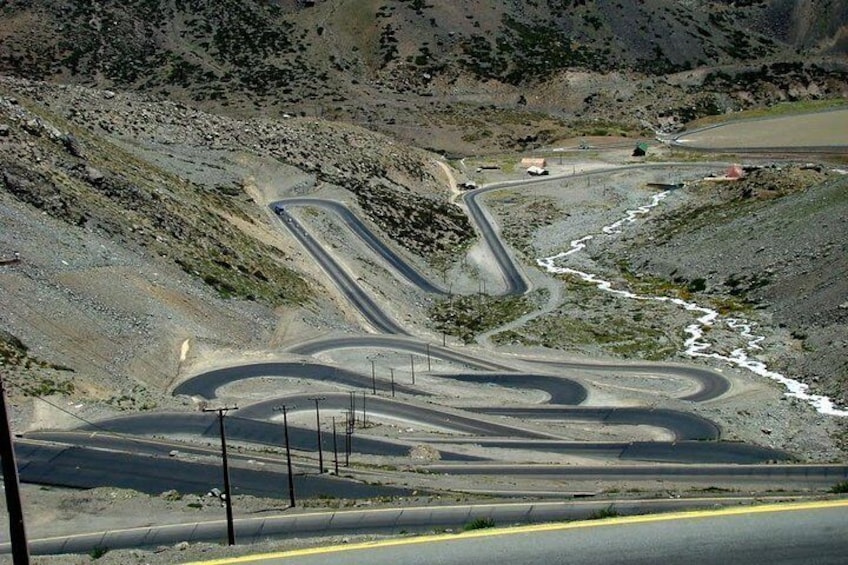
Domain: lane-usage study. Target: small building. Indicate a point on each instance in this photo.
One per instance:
(534, 162)
(735, 172)
(641, 149)
(537, 171)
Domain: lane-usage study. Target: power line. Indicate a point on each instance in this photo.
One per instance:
(95, 425)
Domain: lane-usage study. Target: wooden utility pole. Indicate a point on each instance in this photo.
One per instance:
(318, 428)
(288, 451)
(228, 502)
(335, 448)
(17, 532)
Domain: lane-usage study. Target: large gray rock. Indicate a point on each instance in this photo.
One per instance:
(94, 176)
(73, 146)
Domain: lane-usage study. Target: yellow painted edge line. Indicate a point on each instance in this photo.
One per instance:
(386, 510)
(491, 532)
(241, 520)
(481, 507)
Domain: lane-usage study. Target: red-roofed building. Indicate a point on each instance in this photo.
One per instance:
(735, 172)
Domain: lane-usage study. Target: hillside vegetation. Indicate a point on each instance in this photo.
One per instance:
(400, 66)
(143, 140)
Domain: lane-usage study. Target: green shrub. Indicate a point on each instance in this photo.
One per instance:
(479, 524)
(603, 513)
(840, 488)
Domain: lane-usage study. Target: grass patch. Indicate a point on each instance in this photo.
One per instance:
(479, 524)
(150, 208)
(604, 513)
(467, 316)
(629, 330)
(840, 488)
(711, 489)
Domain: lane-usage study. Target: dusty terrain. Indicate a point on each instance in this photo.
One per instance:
(129, 324)
(137, 248)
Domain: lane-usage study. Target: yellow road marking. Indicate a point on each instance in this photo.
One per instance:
(386, 510)
(642, 519)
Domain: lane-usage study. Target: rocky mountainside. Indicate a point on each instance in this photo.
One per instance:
(137, 230)
(808, 25)
(141, 141)
(415, 69)
(768, 247)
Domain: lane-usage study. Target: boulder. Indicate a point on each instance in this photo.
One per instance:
(73, 146)
(94, 176)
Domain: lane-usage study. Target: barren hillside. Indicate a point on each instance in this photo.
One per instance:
(416, 69)
(143, 233)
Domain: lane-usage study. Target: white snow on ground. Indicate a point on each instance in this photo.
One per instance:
(696, 346)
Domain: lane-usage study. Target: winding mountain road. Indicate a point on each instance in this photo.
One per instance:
(563, 386)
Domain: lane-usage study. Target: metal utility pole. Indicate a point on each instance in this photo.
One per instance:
(17, 532)
(228, 502)
(373, 378)
(288, 451)
(412, 367)
(392, 373)
(364, 416)
(429, 367)
(318, 428)
(335, 448)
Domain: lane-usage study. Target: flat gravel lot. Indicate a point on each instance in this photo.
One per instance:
(809, 130)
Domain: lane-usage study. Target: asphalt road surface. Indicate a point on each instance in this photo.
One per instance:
(83, 467)
(710, 383)
(687, 452)
(513, 278)
(206, 384)
(797, 534)
(684, 425)
(821, 475)
(560, 389)
(381, 321)
(358, 228)
(388, 521)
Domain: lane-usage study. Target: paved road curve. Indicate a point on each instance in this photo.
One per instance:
(710, 384)
(206, 384)
(684, 425)
(389, 521)
(790, 534)
(358, 228)
(380, 321)
(83, 467)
